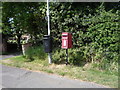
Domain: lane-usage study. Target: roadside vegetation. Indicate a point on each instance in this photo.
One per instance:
(95, 29)
(36, 60)
(84, 73)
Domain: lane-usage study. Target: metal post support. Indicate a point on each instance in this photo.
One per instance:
(49, 54)
(49, 58)
(66, 56)
(48, 17)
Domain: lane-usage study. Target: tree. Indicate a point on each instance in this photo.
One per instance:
(16, 17)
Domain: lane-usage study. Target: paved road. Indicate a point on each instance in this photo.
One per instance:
(20, 78)
(9, 56)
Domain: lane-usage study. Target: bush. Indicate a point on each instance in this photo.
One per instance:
(35, 52)
(75, 56)
(59, 56)
(103, 32)
(95, 31)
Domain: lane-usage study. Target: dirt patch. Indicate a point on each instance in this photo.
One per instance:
(6, 61)
(53, 66)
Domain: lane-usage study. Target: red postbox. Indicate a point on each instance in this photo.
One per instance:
(66, 40)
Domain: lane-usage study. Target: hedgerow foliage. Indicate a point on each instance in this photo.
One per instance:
(103, 32)
(95, 28)
(95, 32)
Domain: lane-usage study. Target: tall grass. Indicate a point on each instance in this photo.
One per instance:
(76, 57)
(35, 52)
(82, 58)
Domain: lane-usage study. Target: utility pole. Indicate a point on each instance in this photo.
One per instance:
(48, 17)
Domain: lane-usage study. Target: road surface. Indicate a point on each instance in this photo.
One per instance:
(9, 56)
(20, 78)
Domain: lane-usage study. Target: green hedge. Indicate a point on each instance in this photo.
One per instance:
(95, 28)
(95, 33)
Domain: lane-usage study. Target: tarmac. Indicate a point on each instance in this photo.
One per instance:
(19, 78)
(11, 77)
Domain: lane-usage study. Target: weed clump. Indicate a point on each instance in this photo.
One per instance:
(35, 52)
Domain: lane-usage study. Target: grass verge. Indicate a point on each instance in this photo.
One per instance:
(74, 72)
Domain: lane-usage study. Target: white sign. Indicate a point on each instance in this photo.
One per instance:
(65, 43)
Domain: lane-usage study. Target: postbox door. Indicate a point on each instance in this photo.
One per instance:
(64, 43)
